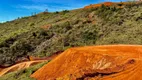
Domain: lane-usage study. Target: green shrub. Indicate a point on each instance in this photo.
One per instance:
(56, 12)
(31, 24)
(23, 74)
(65, 11)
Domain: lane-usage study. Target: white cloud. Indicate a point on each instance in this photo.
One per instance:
(34, 7)
(42, 7)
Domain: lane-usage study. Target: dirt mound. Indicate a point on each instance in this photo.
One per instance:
(116, 62)
(45, 27)
(25, 63)
(116, 4)
(19, 66)
(99, 5)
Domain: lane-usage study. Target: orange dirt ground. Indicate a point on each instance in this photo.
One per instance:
(110, 62)
(110, 4)
(25, 64)
(20, 66)
(99, 5)
(45, 27)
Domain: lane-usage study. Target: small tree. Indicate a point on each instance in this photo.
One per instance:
(46, 10)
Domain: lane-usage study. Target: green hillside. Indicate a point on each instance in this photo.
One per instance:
(46, 33)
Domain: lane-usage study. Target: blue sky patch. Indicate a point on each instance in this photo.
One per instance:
(12, 9)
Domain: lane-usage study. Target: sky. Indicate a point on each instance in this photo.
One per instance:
(12, 9)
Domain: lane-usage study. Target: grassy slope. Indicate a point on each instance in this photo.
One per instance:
(105, 25)
(23, 74)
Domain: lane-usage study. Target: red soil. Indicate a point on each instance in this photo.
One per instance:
(26, 63)
(45, 27)
(116, 62)
(99, 5)
(19, 66)
(111, 4)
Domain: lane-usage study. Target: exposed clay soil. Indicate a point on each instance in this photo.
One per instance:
(26, 63)
(112, 62)
(19, 66)
(111, 4)
(99, 5)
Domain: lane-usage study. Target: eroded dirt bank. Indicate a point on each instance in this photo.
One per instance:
(111, 62)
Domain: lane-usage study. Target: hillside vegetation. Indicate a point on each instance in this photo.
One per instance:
(23, 74)
(46, 33)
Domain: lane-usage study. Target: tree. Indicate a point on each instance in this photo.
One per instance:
(46, 10)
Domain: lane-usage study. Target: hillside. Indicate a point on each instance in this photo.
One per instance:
(47, 33)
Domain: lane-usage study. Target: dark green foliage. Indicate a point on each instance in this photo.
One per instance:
(90, 35)
(105, 12)
(65, 11)
(31, 24)
(56, 12)
(120, 4)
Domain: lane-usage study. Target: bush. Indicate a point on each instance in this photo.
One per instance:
(120, 4)
(65, 11)
(90, 35)
(31, 24)
(56, 12)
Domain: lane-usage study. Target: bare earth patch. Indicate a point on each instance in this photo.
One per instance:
(109, 62)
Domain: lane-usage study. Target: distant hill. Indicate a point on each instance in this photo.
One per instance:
(47, 33)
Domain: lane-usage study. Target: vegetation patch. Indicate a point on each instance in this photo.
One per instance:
(23, 74)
